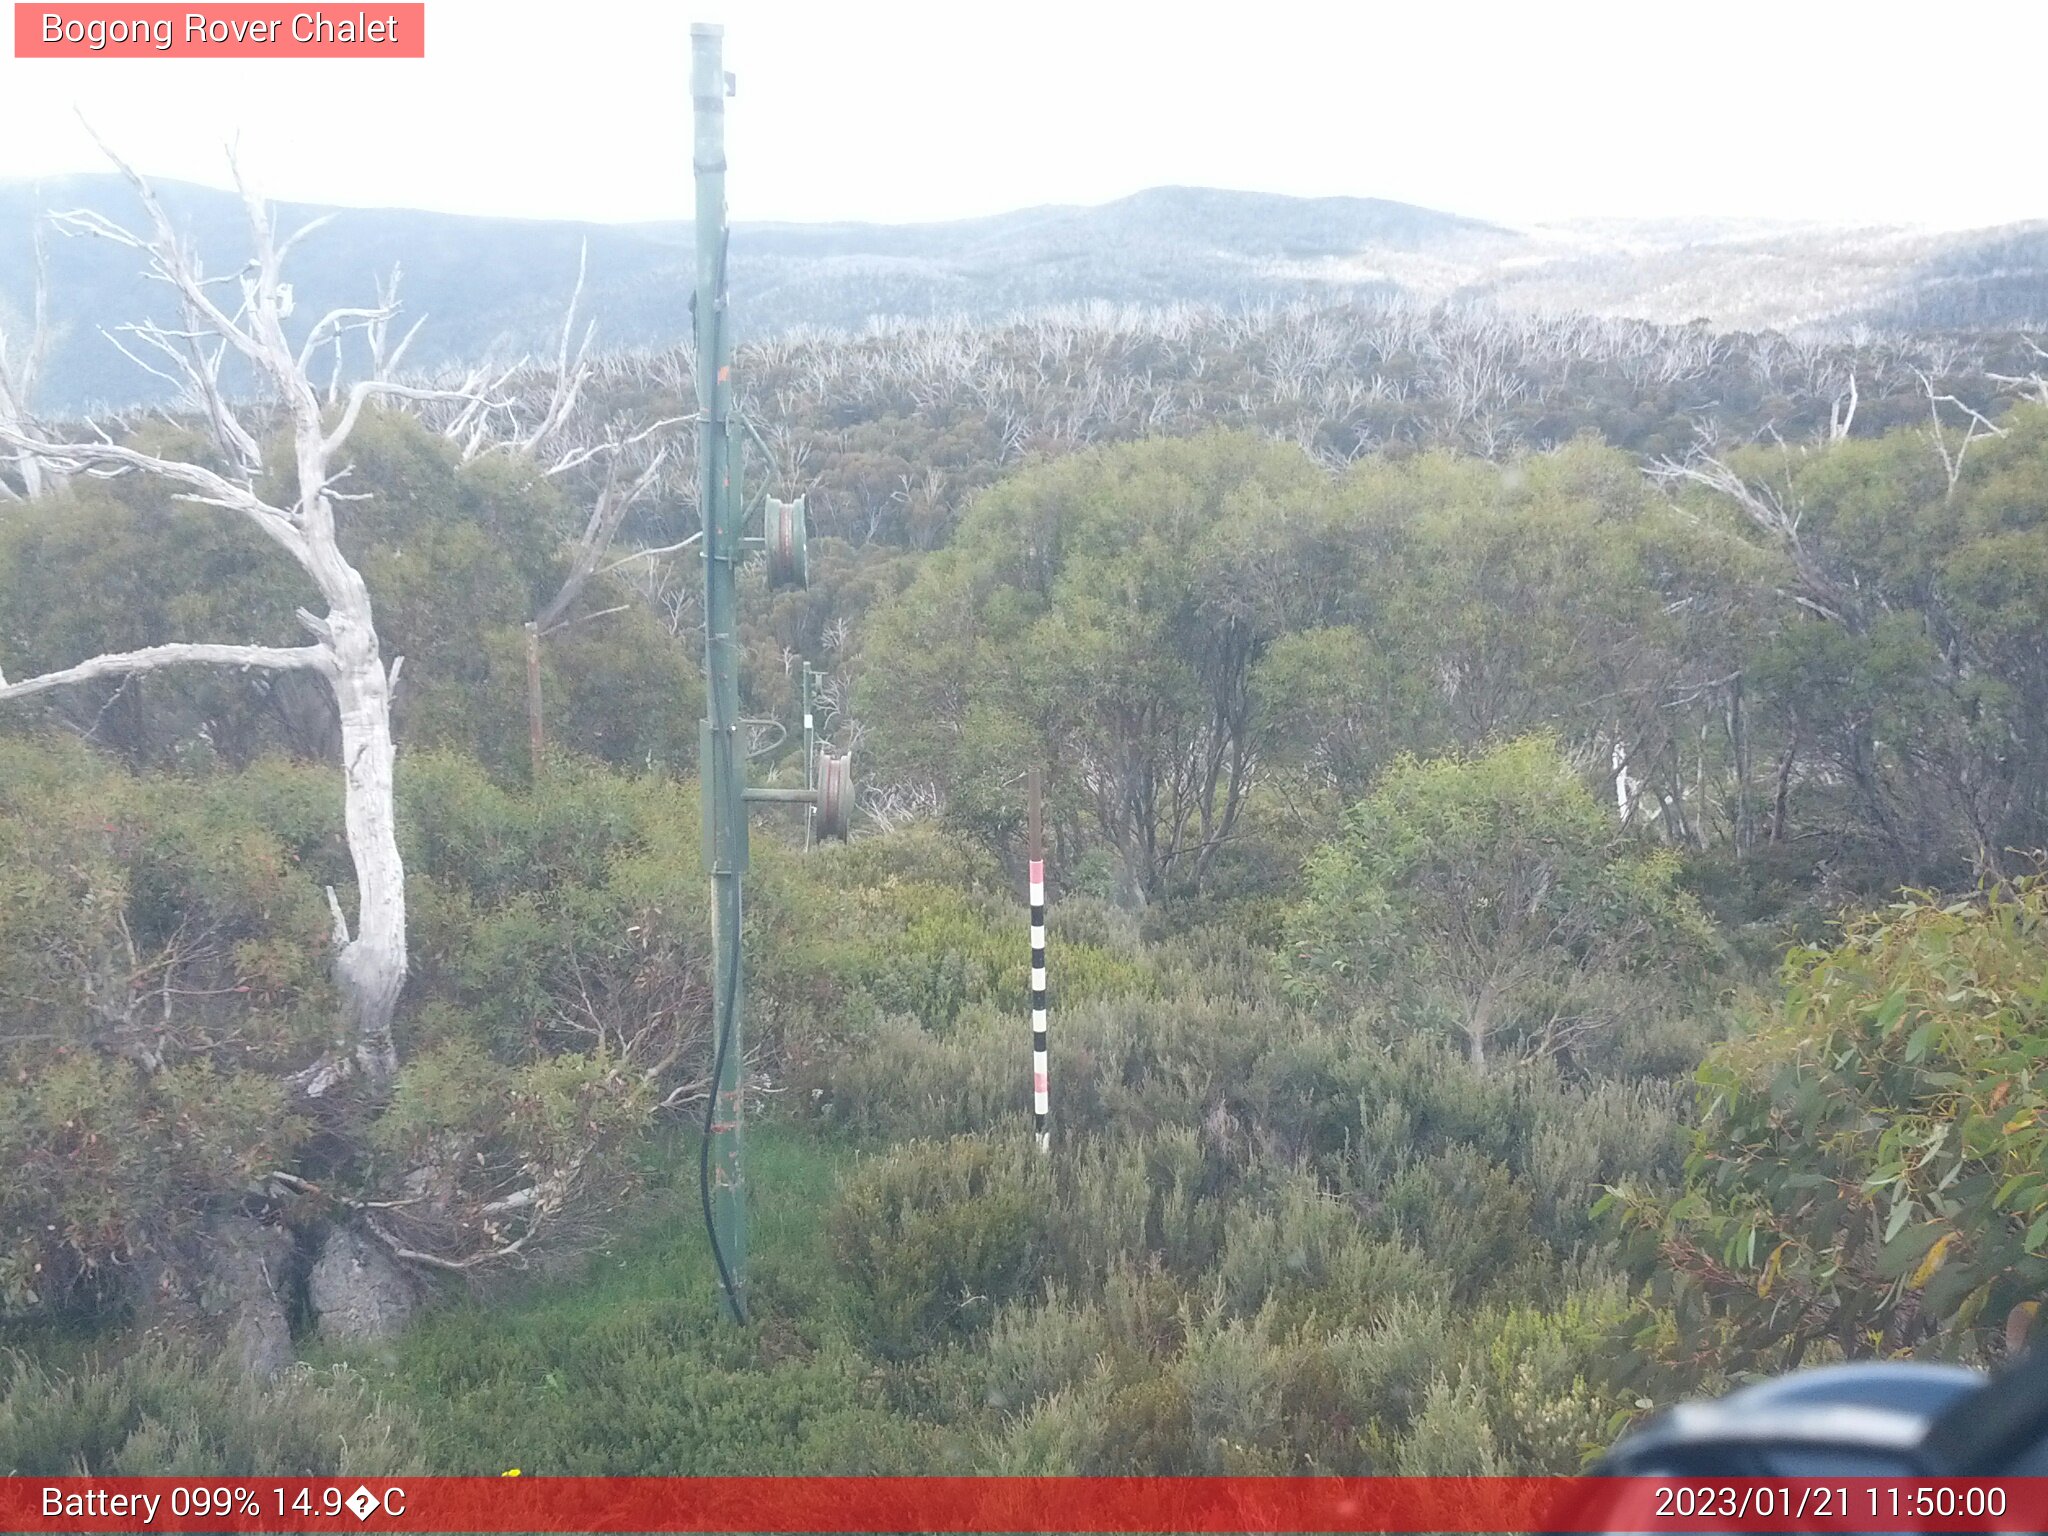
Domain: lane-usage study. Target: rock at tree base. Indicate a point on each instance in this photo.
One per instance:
(249, 1284)
(357, 1291)
(228, 1284)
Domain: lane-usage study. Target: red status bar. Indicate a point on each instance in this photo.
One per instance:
(1021, 1504)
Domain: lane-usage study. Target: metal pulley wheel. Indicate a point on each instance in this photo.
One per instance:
(835, 795)
(786, 536)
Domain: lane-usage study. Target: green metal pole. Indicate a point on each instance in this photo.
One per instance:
(721, 762)
(810, 761)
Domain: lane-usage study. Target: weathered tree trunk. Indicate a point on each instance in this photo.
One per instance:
(1738, 741)
(370, 967)
(1781, 803)
(1478, 1025)
(536, 724)
(18, 382)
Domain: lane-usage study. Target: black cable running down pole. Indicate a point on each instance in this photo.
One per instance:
(725, 1279)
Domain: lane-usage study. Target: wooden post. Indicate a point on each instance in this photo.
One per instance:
(536, 732)
(1037, 823)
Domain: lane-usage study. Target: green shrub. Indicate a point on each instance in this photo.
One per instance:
(902, 1080)
(1593, 1137)
(1233, 1376)
(1131, 1200)
(1492, 899)
(1451, 1437)
(162, 957)
(1145, 1428)
(1301, 1252)
(156, 1413)
(1385, 1368)
(1057, 1436)
(1870, 1166)
(1546, 1378)
(1467, 1212)
(1037, 1349)
(936, 1235)
(921, 854)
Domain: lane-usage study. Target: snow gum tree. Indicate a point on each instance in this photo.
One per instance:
(239, 319)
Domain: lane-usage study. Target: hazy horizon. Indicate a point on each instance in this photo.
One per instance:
(224, 184)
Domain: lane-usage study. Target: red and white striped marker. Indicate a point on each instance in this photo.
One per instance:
(1041, 1099)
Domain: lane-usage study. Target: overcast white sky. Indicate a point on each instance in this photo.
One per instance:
(898, 110)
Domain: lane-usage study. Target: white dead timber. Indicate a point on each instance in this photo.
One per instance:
(370, 963)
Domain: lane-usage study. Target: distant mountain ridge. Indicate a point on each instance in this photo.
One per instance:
(497, 287)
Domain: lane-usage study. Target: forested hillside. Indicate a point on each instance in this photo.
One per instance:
(495, 287)
(1543, 823)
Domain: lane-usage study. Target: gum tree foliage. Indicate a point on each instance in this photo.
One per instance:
(1662, 636)
(1103, 613)
(161, 962)
(1905, 683)
(1290, 632)
(1870, 1170)
(1447, 604)
(1495, 897)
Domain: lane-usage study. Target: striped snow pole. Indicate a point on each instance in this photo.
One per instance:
(1041, 1097)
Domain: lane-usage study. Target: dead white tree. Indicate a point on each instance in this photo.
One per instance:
(894, 806)
(2032, 385)
(1977, 426)
(490, 419)
(243, 314)
(1773, 510)
(1842, 411)
(18, 374)
(614, 500)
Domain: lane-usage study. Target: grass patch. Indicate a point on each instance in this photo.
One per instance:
(630, 1369)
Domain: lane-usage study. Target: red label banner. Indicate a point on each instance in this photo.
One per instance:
(1022, 1504)
(238, 31)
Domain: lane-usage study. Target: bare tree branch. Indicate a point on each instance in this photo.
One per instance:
(155, 658)
(1979, 426)
(613, 503)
